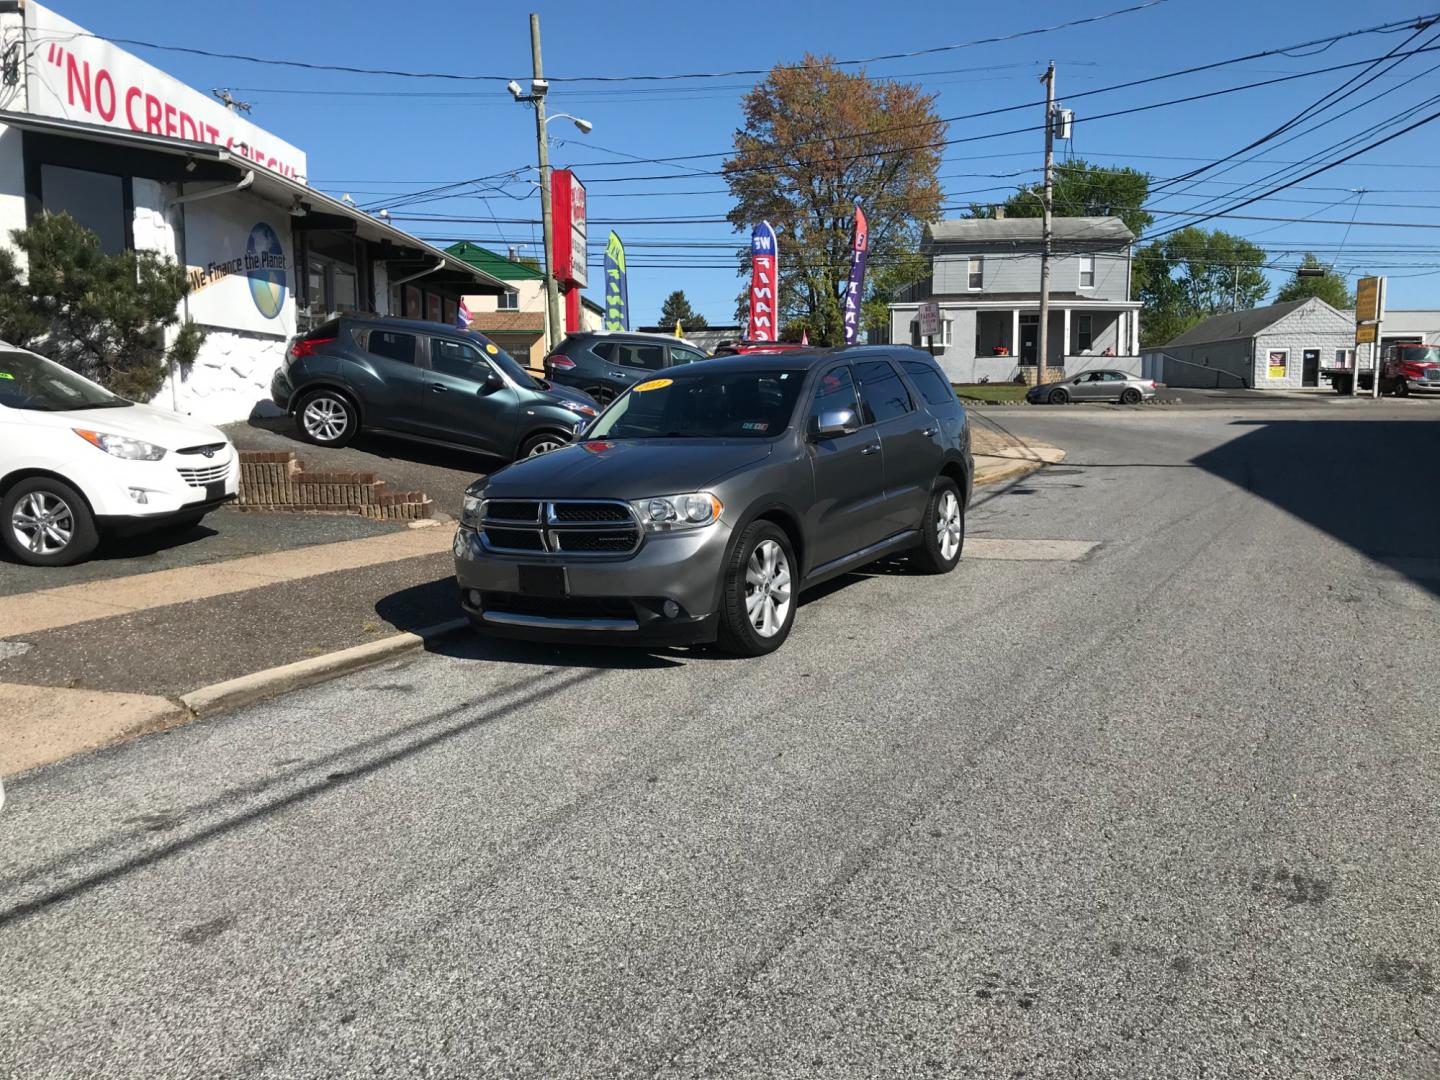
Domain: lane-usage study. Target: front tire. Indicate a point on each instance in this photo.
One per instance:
(47, 523)
(327, 418)
(1058, 397)
(1402, 388)
(757, 606)
(942, 530)
(541, 443)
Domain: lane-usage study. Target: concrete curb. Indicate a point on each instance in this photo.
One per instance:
(998, 468)
(997, 474)
(247, 689)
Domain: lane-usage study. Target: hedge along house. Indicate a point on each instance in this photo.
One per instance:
(150, 164)
(1283, 346)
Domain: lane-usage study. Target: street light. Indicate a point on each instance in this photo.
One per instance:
(538, 89)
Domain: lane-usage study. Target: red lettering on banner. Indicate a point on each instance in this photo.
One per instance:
(212, 133)
(188, 128)
(170, 120)
(105, 95)
(152, 114)
(77, 78)
(130, 96)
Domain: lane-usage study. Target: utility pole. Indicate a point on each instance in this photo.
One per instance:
(1235, 289)
(538, 89)
(1043, 330)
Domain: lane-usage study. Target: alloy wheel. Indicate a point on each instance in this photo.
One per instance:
(43, 523)
(949, 529)
(326, 419)
(544, 447)
(767, 588)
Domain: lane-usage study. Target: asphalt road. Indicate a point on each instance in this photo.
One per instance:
(1167, 809)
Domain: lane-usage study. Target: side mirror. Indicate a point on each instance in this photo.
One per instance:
(491, 382)
(835, 422)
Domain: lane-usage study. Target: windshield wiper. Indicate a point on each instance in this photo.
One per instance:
(118, 403)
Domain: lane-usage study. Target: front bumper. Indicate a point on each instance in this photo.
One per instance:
(115, 488)
(619, 600)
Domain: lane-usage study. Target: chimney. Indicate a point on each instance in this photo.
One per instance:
(514, 254)
(999, 212)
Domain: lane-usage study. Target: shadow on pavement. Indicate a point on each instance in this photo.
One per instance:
(139, 546)
(1369, 484)
(386, 447)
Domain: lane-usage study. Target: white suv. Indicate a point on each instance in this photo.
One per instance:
(76, 460)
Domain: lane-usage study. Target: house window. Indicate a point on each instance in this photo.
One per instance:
(1084, 338)
(976, 278)
(1087, 271)
(507, 301)
(943, 339)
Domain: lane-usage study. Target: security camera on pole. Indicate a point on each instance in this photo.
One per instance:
(538, 89)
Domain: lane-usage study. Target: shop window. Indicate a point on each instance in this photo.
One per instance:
(96, 200)
(413, 306)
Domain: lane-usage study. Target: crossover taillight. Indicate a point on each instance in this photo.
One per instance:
(303, 347)
(559, 363)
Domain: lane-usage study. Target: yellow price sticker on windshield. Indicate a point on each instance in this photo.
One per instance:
(491, 349)
(653, 384)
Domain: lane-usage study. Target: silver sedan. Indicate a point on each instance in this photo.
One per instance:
(1102, 385)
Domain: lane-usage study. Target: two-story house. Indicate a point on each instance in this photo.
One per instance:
(985, 275)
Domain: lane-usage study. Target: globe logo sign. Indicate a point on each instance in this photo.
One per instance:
(265, 267)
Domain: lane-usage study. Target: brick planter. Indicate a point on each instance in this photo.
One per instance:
(275, 481)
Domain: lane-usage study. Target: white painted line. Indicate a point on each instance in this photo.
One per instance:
(1029, 550)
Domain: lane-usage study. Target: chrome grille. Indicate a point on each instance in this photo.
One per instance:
(206, 474)
(593, 527)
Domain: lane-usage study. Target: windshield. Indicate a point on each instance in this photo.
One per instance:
(505, 362)
(1421, 354)
(705, 405)
(31, 382)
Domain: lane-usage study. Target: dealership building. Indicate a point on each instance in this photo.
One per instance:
(151, 164)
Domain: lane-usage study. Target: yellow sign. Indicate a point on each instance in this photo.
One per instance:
(1279, 360)
(653, 384)
(1369, 304)
(490, 348)
(1365, 332)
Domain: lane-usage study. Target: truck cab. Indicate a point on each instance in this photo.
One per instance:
(1406, 366)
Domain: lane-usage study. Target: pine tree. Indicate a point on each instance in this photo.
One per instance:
(677, 309)
(102, 315)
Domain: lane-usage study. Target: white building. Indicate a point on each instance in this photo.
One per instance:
(151, 164)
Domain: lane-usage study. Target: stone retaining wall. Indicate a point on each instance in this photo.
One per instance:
(274, 480)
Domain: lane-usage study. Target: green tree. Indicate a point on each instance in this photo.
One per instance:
(677, 309)
(817, 139)
(1329, 286)
(1083, 190)
(102, 315)
(1192, 274)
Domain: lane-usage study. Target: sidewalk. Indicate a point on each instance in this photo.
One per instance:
(97, 661)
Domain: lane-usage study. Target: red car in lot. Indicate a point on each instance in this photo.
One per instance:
(744, 346)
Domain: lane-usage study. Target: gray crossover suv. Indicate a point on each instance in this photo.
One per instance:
(604, 363)
(700, 504)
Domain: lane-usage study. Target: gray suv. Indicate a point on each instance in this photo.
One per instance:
(605, 364)
(703, 501)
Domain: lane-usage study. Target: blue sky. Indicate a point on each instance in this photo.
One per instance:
(384, 136)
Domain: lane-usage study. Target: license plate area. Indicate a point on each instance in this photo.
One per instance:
(214, 490)
(544, 581)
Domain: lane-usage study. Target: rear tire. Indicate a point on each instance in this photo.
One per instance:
(1059, 396)
(758, 597)
(1130, 396)
(541, 442)
(942, 530)
(46, 522)
(327, 418)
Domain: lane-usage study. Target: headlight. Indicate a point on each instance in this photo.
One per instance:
(472, 510)
(665, 513)
(121, 446)
(579, 407)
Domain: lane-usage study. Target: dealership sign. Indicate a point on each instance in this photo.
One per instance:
(240, 266)
(75, 76)
(567, 198)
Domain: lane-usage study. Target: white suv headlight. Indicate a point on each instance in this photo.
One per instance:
(121, 446)
(666, 513)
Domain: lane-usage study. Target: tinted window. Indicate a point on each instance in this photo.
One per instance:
(934, 388)
(685, 356)
(735, 405)
(392, 345)
(604, 349)
(651, 357)
(882, 392)
(95, 200)
(834, 393)
(456, 358)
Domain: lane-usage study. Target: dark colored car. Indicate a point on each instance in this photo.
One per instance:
(422, 380)
(604, 363)
(704, 501)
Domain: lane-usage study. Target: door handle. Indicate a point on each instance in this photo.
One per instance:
(929, 431)
(438, 388)
(618, 375)
(873, 448)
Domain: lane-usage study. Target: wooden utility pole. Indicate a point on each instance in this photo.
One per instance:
(1046, 226)
(552, 287)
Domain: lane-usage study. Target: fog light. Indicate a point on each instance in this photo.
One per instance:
(474, 597)
(671, 609)
(139, 496)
